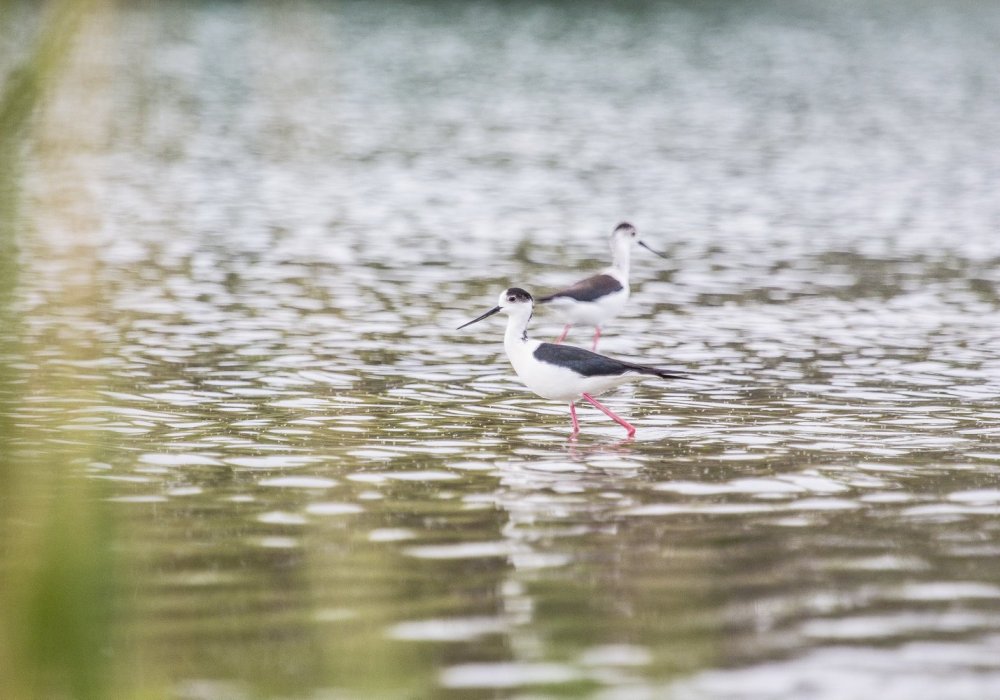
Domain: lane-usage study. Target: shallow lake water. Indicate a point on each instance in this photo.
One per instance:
(247, 233)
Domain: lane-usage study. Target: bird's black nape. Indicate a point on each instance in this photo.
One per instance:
(516, 295)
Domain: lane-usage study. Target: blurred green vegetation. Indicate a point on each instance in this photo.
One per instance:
(57, 570)
(73, 625)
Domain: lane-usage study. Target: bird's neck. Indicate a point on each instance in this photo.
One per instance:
(621, 253)
(517, 328)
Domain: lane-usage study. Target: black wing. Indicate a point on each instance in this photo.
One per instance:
(590, 364)
(587, 290)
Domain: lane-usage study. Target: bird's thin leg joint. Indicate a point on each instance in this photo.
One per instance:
(607, 411)
(564, 333)
(597, 336)
(576, 423)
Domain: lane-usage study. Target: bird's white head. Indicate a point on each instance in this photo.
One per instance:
(514, 301)
(626, 231)
(511, 299)
(621, 244)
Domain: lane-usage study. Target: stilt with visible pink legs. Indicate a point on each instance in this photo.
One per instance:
(563, 372)
(598, 299)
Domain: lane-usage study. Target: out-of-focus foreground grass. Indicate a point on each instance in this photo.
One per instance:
(57, 571)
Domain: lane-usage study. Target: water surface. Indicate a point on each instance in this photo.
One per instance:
(248, 231)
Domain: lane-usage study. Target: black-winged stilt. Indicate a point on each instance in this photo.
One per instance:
(600, 298)
(562, 372)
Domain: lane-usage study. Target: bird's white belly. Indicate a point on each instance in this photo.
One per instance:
(591, 313)
(559, 383)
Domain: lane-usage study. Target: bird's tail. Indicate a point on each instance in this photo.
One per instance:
(657, 372)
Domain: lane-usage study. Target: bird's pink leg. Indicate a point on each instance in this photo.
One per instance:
(597, 336)
(564, 334)
(607, 411)
(576, 423)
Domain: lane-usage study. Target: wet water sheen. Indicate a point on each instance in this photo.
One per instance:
(244, 255)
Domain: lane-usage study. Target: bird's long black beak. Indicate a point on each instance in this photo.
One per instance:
(495, 309)
(651, 250)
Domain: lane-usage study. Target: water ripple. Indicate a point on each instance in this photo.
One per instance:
(252, 355)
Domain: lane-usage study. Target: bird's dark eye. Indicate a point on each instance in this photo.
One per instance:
(511, 298)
